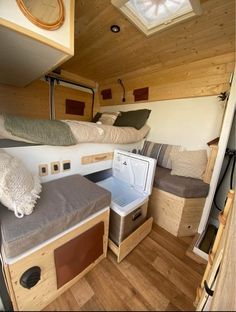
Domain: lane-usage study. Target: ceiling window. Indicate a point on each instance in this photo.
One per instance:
(153, 15)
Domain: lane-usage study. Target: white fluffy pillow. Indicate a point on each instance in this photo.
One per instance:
(19, 189)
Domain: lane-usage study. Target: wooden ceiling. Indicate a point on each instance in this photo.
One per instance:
(101, 54)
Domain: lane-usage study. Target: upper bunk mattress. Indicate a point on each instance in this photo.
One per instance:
(67, 132)
(63, 203)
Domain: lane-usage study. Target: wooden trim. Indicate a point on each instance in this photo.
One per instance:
(7, 279)
(191, 254)
(131, 241)
(215, 255)
(76, 78)
(90, 159)
(39, 23)
(133, 18)
(210, 164)
(224, 136)
(224, 295)
(119, 3)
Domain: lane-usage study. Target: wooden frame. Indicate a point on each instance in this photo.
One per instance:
(36, 21)
(45, 291)
(133, 18)
(223, 141)
(128, 244)
(215, 258)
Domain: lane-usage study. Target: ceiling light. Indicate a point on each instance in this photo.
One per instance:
(115, 28)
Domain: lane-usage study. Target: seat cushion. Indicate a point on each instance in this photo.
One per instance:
(63, 203)
(180, 186)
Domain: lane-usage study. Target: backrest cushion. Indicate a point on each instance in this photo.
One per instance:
(160, 151)
(135, 118)
(189, 163)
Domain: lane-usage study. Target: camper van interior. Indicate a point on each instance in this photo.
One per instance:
(117, 155)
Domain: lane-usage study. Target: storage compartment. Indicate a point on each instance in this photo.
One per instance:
(76, 252)
(130, 186)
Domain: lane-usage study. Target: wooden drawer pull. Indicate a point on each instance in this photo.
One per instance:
(96, 158)
(100, 157)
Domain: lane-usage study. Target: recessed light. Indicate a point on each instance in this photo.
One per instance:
(115, 28)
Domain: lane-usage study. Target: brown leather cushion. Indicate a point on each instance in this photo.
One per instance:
(180, 186)
(63, 203)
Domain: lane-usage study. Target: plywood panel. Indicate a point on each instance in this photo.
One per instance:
(31, 101)
(101, 54)
(200, 78)
(179, 216)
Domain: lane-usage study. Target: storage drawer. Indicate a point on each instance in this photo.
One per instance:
(121, 227)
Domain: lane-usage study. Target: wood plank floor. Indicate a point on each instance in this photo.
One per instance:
(157, 276)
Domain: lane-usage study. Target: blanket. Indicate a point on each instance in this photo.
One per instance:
(48, 132)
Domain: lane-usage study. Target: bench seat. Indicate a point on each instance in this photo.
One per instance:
(179, 186)
(63, 203)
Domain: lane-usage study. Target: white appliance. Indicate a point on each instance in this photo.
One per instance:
(130, 185)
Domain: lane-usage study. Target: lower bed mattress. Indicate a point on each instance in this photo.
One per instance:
(63, 203)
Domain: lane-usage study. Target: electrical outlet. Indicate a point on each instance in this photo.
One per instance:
(55, 167)
(66, 165)
(43, 170)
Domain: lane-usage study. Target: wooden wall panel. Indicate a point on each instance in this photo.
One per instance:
(101, 54)
(31, 101)
(201, 78)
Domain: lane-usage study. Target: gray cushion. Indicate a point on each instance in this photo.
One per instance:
(63, 203)
(180, 186)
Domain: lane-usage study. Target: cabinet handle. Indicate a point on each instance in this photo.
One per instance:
(100, 157)
(137, 215)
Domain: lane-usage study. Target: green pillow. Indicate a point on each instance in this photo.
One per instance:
(135, 118)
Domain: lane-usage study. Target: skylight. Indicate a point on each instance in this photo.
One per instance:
(153, 15)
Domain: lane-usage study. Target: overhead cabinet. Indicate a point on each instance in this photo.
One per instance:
(31, 46)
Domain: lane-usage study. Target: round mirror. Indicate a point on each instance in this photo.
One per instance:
(47, 14)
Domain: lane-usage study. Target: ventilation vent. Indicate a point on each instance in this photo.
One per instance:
(31, 277)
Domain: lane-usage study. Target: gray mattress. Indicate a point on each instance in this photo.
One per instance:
(180, 186)
(63, 203)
